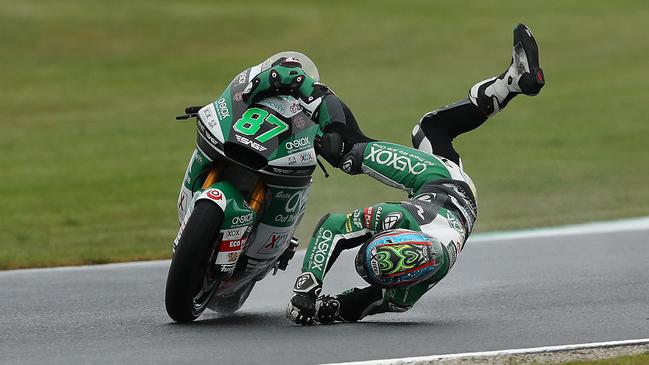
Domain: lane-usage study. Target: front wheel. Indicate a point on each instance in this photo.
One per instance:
(191, 281)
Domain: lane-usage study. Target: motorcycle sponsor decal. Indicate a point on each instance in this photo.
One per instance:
(397, 159)
(238, 96)
(233, 256)
(242, 219)
(282, 195)
(282, 171)
(215, 194)
(294, 201)
(298, 144)
(291, 208)
(306, 157)
(208, 116)
(322, 249)
(296, 108)
(392, 220)
(233, 245)
(253, 144)
(222, 109)
(208, 136)
(233, 233)
(274, 242)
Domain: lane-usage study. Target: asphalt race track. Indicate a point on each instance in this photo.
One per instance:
(503, 293)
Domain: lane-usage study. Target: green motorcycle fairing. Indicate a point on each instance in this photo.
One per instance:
(273, 139)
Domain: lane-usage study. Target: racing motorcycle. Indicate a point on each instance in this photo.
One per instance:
(244, 193)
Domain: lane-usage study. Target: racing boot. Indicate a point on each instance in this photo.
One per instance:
(524, 76)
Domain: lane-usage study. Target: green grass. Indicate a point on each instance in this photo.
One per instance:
(642, 359)
(91, 158)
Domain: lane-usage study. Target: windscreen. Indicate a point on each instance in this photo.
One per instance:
(307, 65)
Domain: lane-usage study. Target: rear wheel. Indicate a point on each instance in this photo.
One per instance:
(191, 281)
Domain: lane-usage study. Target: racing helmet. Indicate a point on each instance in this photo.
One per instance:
(400, 257)
(305, 62)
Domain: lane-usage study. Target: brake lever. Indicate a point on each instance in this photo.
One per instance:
(190, 112)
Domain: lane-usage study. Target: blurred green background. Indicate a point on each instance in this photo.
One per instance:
(91, 158)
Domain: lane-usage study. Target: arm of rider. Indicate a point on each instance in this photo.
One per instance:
(288, 78)
(340, 129)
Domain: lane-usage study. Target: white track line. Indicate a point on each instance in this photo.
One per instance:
(411, 360)
(633, 224)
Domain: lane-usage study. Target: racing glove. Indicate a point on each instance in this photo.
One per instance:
(288, 78)
(327, 309)
(301, 308)
(282, 79)
(331, 146)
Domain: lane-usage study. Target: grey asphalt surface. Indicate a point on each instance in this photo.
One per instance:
(514, 293)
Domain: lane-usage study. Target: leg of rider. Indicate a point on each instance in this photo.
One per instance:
(338, 232)
(354, 304)
(436, 130)
(357, 303)
(333, 234)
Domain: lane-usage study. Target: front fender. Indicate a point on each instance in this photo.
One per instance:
(237, 212)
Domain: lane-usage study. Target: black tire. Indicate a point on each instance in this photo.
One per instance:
(190, 285)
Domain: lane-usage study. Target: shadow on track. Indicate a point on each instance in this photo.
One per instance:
(232, 320)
